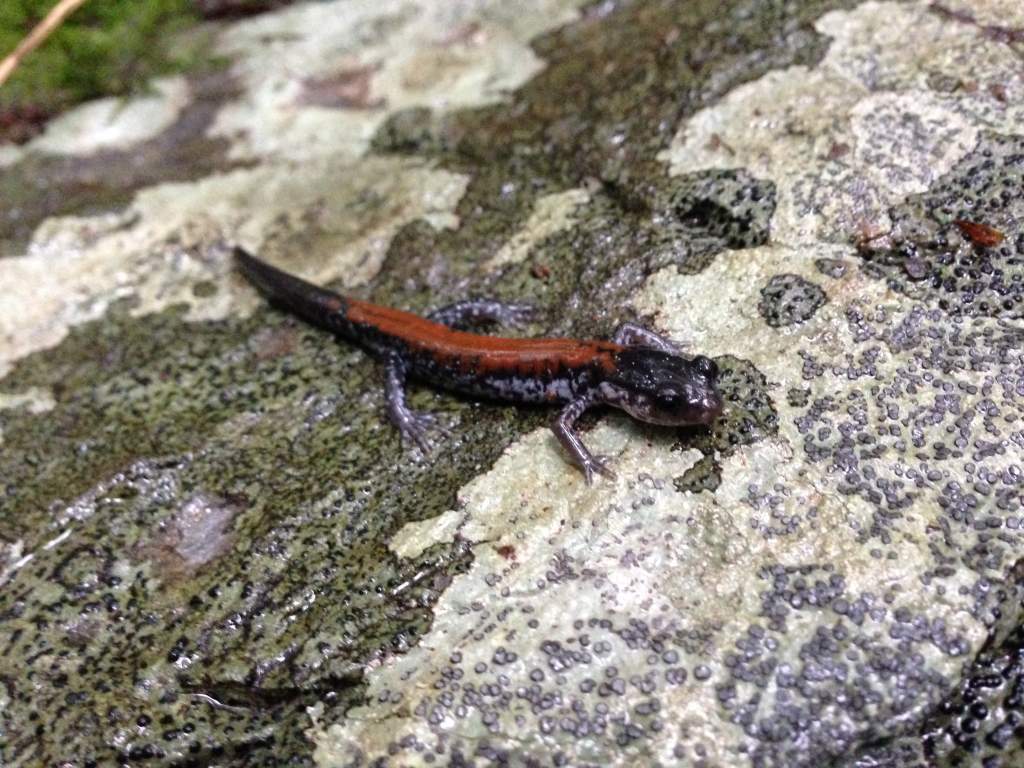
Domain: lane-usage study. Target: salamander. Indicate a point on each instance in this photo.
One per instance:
(638, 370)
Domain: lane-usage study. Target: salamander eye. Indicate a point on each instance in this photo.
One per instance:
(705, 366)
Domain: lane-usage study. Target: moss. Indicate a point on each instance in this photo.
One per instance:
(105, 48)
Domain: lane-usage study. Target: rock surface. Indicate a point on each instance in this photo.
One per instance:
(213, 552)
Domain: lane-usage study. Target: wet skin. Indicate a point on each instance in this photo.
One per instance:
(638, 371)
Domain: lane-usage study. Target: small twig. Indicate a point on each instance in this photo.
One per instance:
(42, 30)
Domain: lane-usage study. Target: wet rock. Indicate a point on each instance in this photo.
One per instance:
(207, 535)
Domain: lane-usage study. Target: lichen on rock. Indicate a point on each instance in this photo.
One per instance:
(213, 550)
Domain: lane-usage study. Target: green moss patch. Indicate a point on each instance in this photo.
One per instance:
(105, 48)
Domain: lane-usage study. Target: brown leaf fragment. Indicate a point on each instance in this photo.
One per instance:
(981, 235)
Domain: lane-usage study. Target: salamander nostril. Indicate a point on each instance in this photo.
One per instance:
(705, 366)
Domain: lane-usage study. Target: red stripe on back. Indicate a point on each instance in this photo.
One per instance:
(486, 354)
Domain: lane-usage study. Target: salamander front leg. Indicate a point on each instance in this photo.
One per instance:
(564, 427)
(633, 335)
(475, 311)
(413, 426)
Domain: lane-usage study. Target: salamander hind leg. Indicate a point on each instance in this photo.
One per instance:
(633, 335)
(564, 427)
(476, 311)
(414, 426)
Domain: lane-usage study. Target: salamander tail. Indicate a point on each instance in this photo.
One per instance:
(294, 294)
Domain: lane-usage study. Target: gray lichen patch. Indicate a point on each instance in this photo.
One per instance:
(980, 721)
(355, 69)
(195, 535)
(961, 244)
(222, 488)
(789, 300)
(928, 431)
(816, 612)
(846, 676)
(211, 530)
(704, 211)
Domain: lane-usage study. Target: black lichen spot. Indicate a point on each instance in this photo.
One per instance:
(960, 245)
(789, 300)
(706, 212)
(749, 417)
(834, 268)
(749, 414)
(826, 696)
(730, 205)
(797, 398)
(204, 289)
(705, 475)
(982, 721)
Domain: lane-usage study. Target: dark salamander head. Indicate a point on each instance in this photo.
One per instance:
(662, 388)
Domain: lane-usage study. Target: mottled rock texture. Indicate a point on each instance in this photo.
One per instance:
(213, 552)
